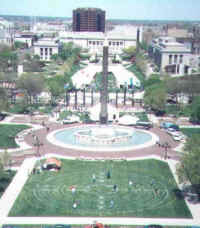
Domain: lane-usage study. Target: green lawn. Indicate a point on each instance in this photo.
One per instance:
(151, 194)
(190, 131)
(5, 179)
(8, 133)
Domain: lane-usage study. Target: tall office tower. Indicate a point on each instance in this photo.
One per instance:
(88, 20)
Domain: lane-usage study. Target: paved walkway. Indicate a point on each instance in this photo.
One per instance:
(48, 149)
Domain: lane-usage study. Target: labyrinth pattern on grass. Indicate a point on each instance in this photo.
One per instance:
(146, 193)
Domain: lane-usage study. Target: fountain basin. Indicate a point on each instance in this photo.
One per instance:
(103, 135)
(77, 138)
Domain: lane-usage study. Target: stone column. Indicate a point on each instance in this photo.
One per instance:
(103, 117)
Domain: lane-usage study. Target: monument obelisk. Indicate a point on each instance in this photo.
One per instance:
(103, 116)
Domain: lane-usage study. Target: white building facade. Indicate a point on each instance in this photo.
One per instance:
(170, 56)
(118, 39)
(45, 48)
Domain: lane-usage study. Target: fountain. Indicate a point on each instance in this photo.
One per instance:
(102, 137)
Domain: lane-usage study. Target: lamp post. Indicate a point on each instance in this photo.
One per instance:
(37, 144)
(92, 93)
(133, 102)
(125, 90)
(75, 102)
(84, 97)
(117, 91)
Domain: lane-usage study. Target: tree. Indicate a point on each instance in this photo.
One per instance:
(152, 80)
(5, 159)
(130, 52)
(3, 100)
(141, 63)
(33, 84)
(155, 97)
(55, 57)
(188, 169)
(8, 59)
(55, 87)
(33, 65)
(20, 45)
(195, 115)
(69, 50)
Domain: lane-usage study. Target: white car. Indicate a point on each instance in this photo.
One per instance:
(171, 131)
(179, 137)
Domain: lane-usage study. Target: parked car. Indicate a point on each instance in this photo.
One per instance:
(167, 125)
(177, 137)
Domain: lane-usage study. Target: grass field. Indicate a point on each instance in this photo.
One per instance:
(8, 133)
(150, 195)
(190, 131)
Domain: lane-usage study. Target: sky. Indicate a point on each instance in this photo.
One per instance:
(115, 9)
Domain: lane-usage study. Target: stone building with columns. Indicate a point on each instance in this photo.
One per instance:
(171, 57)
(45, 48)
(118, 39)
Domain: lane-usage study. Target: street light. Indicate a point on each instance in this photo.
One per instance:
(93, 86)
(37, 143)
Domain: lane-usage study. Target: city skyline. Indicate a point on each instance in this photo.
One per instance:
(115, 9)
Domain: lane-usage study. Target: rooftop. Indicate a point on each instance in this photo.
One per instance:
(89, 9)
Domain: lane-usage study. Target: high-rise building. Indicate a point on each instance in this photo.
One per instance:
(88, 20)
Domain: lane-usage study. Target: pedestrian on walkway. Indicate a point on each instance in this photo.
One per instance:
(43, 123)
(47, 128)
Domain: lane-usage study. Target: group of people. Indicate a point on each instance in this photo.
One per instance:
(166, 146)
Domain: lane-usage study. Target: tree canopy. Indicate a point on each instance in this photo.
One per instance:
(8, 59)
(195, 115)
(33, 84)
(130, 51)
(3, 100)
(69, 50)
(152, 80)
(189, 167)
(155, 97)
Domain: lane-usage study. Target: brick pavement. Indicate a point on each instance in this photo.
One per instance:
(152, 150)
